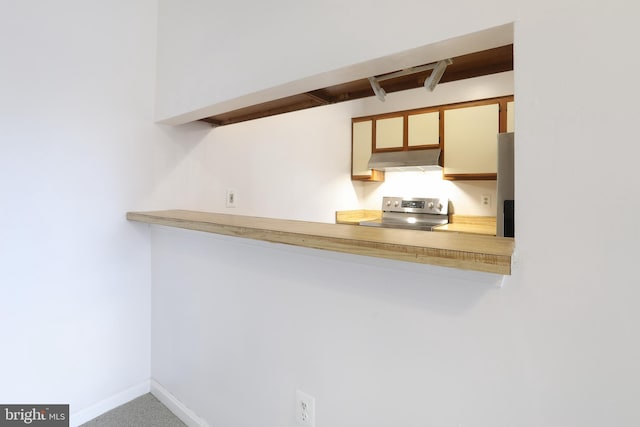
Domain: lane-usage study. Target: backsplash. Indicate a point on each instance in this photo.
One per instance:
(465, 196)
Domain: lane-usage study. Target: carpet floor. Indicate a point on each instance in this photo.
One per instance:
(145, 411)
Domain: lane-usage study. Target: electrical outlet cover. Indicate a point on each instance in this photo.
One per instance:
(305, 409)
(231, 199)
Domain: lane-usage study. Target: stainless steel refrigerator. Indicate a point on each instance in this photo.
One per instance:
(505, 186)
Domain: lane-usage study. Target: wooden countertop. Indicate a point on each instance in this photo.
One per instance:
(464, 251)
(467, 228)
(356, 216)
(470, 224)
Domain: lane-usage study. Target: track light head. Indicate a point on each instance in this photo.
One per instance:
(435, 76)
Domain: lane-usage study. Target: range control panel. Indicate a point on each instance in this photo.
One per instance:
(415, 205)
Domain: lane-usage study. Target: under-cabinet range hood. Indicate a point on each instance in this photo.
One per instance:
(412, 160)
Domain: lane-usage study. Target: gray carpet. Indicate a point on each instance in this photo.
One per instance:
(145, 411)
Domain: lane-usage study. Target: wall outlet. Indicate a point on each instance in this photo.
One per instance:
(305, 409)
(485, 200)
(231, 198)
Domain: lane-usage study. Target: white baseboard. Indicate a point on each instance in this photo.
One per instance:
(178, 408)
(93, 411)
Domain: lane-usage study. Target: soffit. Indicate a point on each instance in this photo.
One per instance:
(490, 61)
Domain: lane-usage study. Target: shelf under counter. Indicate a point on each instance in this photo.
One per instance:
(455, 250)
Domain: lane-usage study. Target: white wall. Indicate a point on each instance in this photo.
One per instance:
(209, 51)
(238, 326)
(557, 346)
(76, 132)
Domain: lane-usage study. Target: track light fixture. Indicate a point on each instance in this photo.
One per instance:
(430, 83)
(435, 76)
(377, 89)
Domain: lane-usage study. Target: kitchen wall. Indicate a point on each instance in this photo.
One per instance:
(76, 133)
(239, 326)
(464, 195)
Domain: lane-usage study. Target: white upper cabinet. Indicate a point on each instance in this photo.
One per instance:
(423, 129)
(389, 133)
(470, 140)
(510, 116)
(362, 134)
(466, 132)
(362, 140)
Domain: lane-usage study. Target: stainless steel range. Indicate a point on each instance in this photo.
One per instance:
(412, 213)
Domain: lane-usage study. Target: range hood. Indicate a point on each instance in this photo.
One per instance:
(413, 160)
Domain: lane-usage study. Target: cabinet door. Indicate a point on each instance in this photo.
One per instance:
(361, 148)
(470, 141)
(510, 116)
(361, 140)
(424, 129)
(389, 133)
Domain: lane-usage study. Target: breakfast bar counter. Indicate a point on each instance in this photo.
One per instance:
(456, 250)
